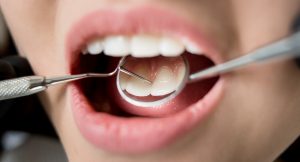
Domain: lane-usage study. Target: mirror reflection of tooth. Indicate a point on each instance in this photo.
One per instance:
(136, 86)
(164, 83)
(123, 80)
(180, 74)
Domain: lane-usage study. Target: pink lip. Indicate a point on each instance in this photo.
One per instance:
(136, 134)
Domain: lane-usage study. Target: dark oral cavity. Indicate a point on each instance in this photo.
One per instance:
(95, 89)
(103, 95)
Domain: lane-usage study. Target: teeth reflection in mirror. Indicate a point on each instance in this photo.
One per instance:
(95, 47)
(180, 74)
(123, 80)
(171, 47)
(117, 46)
(139, 87)
(164, 83)
(145, 46)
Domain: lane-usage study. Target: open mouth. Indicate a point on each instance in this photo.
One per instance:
(162, 66)
(102, 115)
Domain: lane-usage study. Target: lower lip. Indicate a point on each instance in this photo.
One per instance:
(138, 134)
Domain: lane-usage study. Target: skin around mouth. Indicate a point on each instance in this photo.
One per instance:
(129, 133)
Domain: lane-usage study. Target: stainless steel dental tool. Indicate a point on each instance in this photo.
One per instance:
(24, 86)
(287, 47)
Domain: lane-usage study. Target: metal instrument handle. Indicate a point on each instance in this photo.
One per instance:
(288, 48)
(18, 87)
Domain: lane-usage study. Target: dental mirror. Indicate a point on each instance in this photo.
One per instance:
(168, 76)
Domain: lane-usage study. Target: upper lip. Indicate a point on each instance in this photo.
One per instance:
(135, 20)
(78, 36)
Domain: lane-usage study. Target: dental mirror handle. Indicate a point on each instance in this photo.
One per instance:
(18, 87)
(288, 47)
(24, 86)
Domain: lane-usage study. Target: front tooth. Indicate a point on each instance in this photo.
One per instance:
(144, 46)
(192, 48)
(170, 47)
(136, 86)
(95, 47)
(164, 83)
(181, 72)
(116, 46)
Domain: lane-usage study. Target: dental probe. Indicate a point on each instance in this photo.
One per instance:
(24, 86)
(287, 47)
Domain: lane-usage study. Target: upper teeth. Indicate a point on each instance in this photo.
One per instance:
(141, 45)
(94, 47)
(116, 45)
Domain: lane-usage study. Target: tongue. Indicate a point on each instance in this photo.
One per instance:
(164, 73)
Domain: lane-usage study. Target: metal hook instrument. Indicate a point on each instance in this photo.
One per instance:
(24, 86)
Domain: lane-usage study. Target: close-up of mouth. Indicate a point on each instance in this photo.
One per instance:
(153, 41)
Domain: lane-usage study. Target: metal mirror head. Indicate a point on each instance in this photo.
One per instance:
(168, 76)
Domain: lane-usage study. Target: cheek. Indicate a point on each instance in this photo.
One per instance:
(264, 99)
(257, 22)
(260, 108)
(32, 26)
